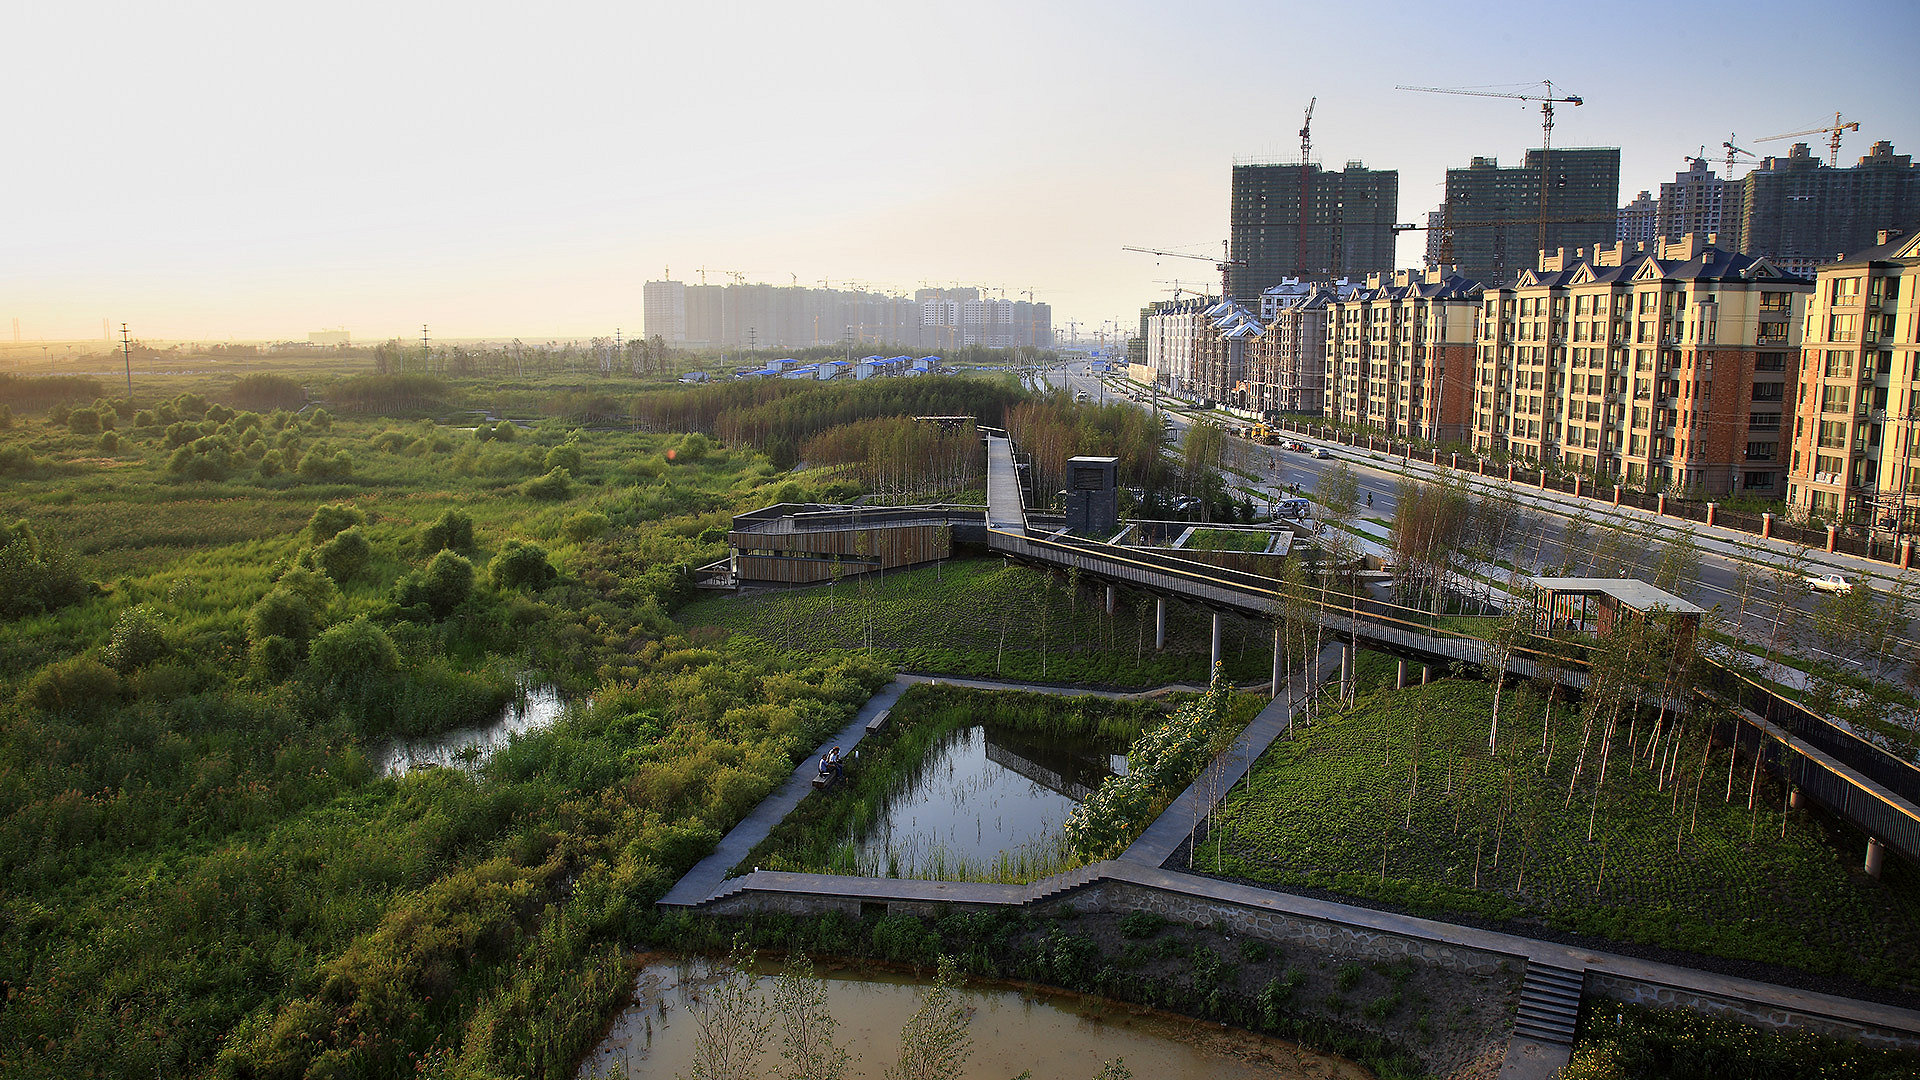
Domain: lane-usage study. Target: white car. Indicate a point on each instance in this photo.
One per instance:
(1322, 452)
(1833, 583)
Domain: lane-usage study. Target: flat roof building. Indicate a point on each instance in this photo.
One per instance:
(1339, 224)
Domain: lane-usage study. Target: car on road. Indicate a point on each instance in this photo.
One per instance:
(1833, 583)
(1291, 508)
(1322, 452)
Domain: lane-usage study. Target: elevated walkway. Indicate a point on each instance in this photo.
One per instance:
(1006, 507)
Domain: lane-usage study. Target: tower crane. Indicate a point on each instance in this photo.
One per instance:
(738, 277)
(1179, 287)
(1547, 102)
(1832, 131)
(1221, 264)
(1733, 150)
(1306, 155)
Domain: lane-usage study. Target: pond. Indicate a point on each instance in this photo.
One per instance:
(1059, 1036)
(470, 747)
(983, 799)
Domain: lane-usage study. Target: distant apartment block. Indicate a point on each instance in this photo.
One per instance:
(1667, 366)
(1399, 354)
(1800, 214)
(1337, 224)
(335, 336)
(1696, 202)
(1493, 215)
(767, 316)
(1856, 414)
(1221, 343)
(1637, 220)
(1172, 330)
(1286, 363)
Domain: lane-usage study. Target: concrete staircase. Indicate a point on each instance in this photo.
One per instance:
(1549, 1004)
(1046, 888)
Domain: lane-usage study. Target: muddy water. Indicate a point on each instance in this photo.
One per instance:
(469, 748)
(979, 794)
(1058, 1036)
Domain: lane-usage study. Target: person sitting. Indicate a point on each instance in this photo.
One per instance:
(831, 767)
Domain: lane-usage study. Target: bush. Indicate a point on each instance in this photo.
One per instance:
(271, 465)
(319, 465)
(282, 613)
(586, 525)
(83, 422)
(81, 684)
(344, 556)
(554, 486)
(35, 576)
(274, 657)
(137, 640)
(17, 461)
(452, 531)
(445, 585)
(520, 565)
(264, 391)
(565, 456)
(109, 442)
(353, 652)
(330, 519)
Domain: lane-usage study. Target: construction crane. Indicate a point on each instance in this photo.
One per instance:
(1547, 102)
(738, 277)
(1733, 150)
(1179, 287)
(1306, 155)
(1221, 264)
(1832, 131)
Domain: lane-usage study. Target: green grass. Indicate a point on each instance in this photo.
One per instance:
(986, 618)
(1398, 800)
(1229, 540)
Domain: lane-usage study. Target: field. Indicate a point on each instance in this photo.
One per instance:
(1398, 800)
(986, 617)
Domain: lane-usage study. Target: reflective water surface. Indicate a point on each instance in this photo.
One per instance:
(469, 748)
(1059, 1036)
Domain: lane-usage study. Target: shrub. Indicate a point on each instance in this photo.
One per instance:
(344, 556)
(81, 684)
(264, 391)
(35, 576)
(353, 652)
(445, 585)
(452, 530)
(274, 657)
(6, 418)
(565, 456)
(136, 641)
(319, 465)
(83, 422)
(520, 565)
(586, 525)
(271, 465)
(17, 461)
(331, 519)
(505, 431)
(109, 442)
(282, 613)
(554, 486)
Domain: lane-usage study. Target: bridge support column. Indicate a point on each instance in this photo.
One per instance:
(1876, 856)
(1795, 799)
(1159, 623)
(1426, 674)
(1214, 664)
(1111, 593)
(1346, 669)
(1400, 676)
(1279, 676)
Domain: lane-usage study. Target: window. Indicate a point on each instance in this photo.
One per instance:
(1836, 399)
(1763, 421)
(1771, 361)
(1761, 451)
(1841, 327)
(1772, 391)
(1754, 480)
(1845, 290)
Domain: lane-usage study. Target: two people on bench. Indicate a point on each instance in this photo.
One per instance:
(832, 768)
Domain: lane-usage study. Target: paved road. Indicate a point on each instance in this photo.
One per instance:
(1539, 531)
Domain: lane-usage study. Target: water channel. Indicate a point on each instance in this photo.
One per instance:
(1059, 1036)
(983, 798)
(470, 747)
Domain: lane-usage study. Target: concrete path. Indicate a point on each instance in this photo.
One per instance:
(708, 874)
(1006, 506)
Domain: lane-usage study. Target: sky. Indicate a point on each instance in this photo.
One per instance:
(221, 170)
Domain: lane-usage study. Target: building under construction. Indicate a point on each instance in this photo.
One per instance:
(1493, 218)
(1340, 224)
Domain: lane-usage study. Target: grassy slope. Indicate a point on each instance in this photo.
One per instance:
(1338, 807)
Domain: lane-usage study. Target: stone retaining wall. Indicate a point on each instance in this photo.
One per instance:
(1657, 995)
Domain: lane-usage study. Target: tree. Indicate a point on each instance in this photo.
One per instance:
(452, 530)
(353, 653)
(733, 1023)
(1508, 634)
(936, 1041)
(520, 565)
(282, 613)
(807, 1027)
(1678, 570)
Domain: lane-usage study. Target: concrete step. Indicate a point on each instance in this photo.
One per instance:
(1549, 1006)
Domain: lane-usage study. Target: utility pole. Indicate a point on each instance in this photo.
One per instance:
(425, 361)
(126, 358)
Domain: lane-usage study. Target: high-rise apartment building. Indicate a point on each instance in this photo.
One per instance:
(663, 310)
(1637, 218)
(1857, 410)
(768, 316)
(1494, 215)
(1696, 202)
(1667, 366)
(1800, 214)
(1399, 354)
(1338, 224)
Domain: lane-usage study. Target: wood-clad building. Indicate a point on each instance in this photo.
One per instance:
(806, 544)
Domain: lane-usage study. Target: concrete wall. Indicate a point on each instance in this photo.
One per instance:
(1638, 992)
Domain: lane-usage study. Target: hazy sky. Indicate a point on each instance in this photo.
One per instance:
(257, 170)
